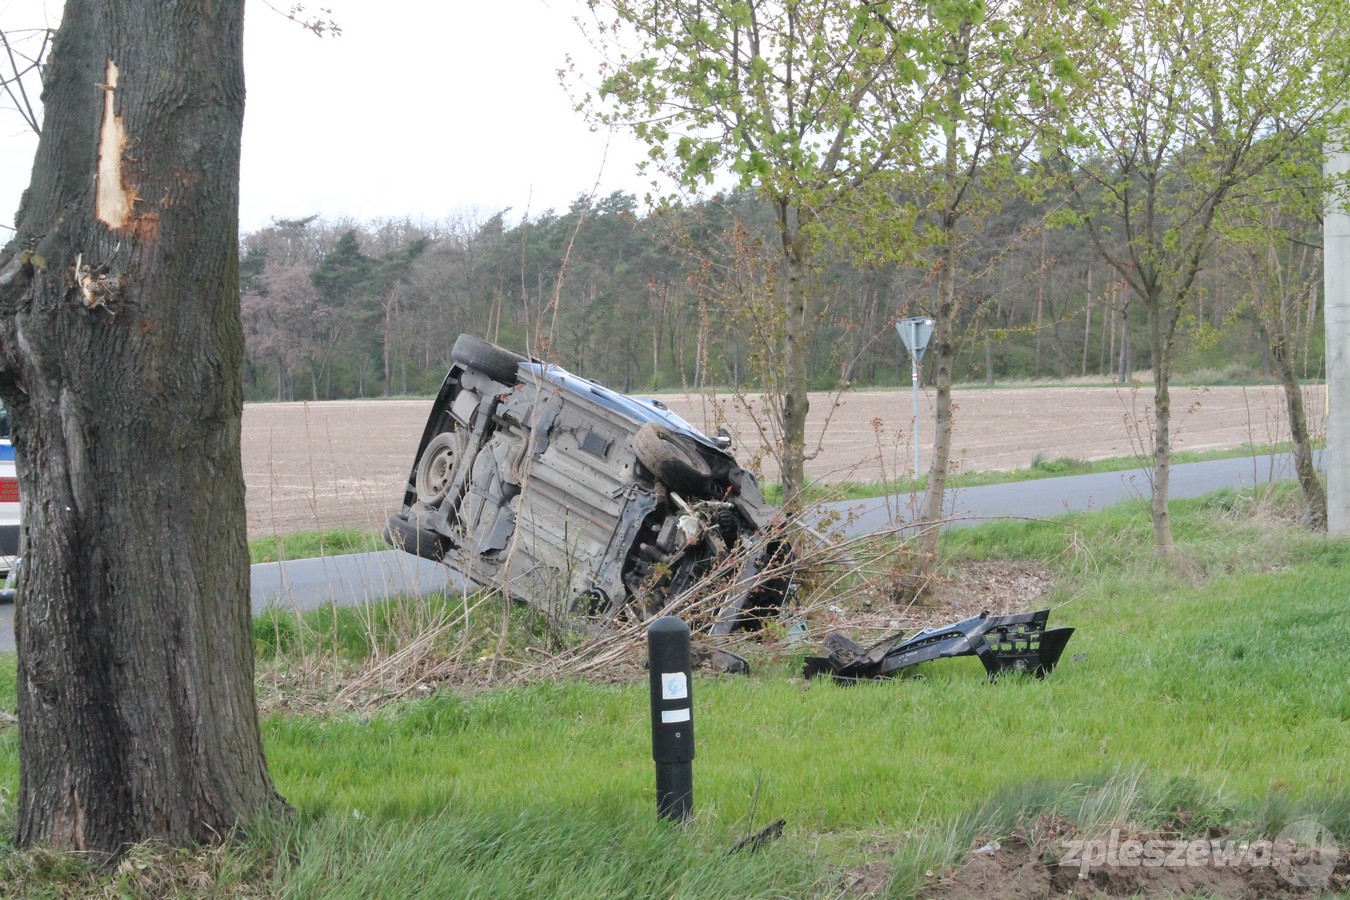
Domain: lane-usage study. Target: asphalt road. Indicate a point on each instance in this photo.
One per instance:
(1073, 493)
(305, 584)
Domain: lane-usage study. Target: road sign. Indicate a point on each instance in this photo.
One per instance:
(914, 333)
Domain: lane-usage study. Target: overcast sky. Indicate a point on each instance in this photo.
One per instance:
(421, 108)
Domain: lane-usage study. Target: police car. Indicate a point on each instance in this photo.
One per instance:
(9, 500)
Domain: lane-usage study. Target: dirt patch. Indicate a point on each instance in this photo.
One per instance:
(869, 881)
(897, 602)
(1050, 860)
(343, 464)
(998, 586)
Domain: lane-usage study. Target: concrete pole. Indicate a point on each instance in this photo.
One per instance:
(1336, 283)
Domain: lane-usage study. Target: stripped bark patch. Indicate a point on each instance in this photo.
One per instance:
(112, 201)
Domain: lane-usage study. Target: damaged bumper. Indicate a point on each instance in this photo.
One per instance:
(1019, 643)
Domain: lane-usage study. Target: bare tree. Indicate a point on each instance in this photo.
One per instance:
(989, 92)
(1195, 105)
(1283, 275)
(783, 96)
(281, 318)
(24, 52)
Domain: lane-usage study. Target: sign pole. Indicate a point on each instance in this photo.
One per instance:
(1336, 279)
(914, 334)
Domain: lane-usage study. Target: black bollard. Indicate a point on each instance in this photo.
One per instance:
(672, 717)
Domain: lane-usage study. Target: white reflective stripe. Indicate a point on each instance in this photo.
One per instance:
(674, 715)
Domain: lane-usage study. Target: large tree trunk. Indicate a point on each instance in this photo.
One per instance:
(120, 361)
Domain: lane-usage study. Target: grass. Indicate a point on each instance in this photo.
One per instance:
(1212, 685)
(309, 544)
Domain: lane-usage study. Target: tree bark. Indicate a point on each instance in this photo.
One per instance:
(121, 357)
(1160, 344)
(1040, 306)
(390, 313)
(1314, 493)
(1087, 325)
(942, 350)
(1126, 366)
(796, 360)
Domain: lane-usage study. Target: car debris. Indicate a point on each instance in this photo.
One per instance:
(586, 503)
(760, 839)
(1017, 643)
(718, 659)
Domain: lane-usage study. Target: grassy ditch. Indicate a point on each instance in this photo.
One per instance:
(1206, 693)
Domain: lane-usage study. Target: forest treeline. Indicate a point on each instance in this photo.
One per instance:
(676, 297)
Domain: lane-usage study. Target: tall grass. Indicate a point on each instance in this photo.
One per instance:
(586, 850)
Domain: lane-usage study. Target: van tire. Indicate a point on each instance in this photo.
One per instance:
(408, 537)
(495, 362)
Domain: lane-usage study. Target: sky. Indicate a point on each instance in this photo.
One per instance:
(426, 109)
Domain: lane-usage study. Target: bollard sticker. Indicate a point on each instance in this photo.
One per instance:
(669, 716)
(674, 686)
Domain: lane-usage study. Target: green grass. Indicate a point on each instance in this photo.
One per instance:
(588, 850)
(309, 544)
(1214, 685)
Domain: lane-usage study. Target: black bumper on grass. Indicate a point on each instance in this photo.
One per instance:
(1019, 643)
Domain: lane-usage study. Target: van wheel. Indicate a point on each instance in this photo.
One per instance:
(434, 468)
(671, 460)
(493, 361)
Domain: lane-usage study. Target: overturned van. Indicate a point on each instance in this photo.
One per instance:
(584, 502)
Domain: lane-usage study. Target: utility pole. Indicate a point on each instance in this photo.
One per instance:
(1336, 281)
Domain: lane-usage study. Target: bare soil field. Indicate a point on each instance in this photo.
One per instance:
(344, 463)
